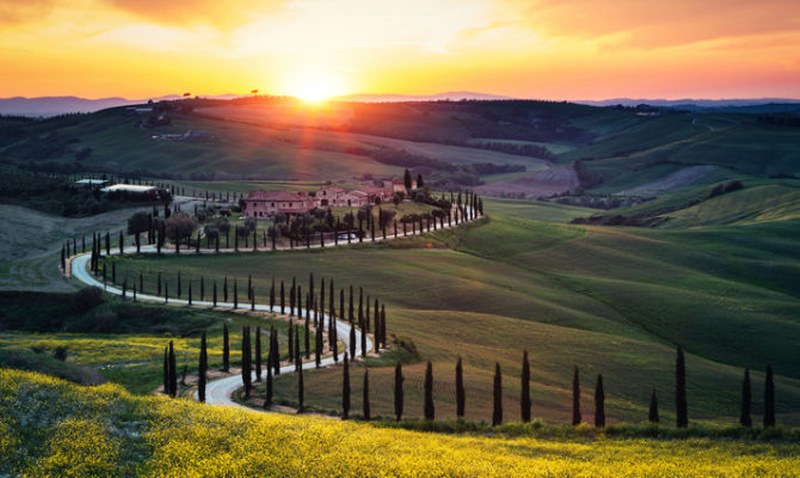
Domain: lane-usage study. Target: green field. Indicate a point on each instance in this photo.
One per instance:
(66, 430)
(611, 300)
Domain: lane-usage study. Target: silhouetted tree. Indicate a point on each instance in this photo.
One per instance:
(365, 399)
(398, 391)
(576, 397)
(407, 180)
(166, 371)
(283, 298)
(300, 390)
(258, 354)
(430, 412)
(681, 407)
(652, 416)
(173, 372)
(247, 357)
(269, 391)
(202, 370)
(272, 295)
(599, 404)
(461, 395)
(745, 419)
(769, 399)
(352, 341)
(497, 412)
(346, 388)
(525, 395)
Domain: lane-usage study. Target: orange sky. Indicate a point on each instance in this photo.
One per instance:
(555, 49)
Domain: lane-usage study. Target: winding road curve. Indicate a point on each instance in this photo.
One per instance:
(220, 391)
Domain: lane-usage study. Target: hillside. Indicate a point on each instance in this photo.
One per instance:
(66, 430)
(506, 144)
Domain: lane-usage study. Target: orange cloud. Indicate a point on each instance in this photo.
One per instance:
(14, 11)
(223, 14)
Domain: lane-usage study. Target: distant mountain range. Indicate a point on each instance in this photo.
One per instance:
(56, 105)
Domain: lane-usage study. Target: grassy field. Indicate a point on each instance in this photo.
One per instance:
(50, 427)
(614, 301)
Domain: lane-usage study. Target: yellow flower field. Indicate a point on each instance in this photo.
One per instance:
(52, 428)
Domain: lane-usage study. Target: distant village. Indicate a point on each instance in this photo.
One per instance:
(266, 204)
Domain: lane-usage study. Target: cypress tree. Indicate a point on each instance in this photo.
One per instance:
(272, 296)
(365, 400)
(190, 293)
(769, 399)
(745, 419)
(576, 397)
(346, 388)
(652, 416)
(363, 342)
(268, 399)
(258, 354)
(398, 391)
(283, 299)
(681, 408)
(300, 390)
(225, 289)
(226, 349)
(352, 341)
(461, 395)
(429, 408)
(214, 294)
(247, 357)
(318, 346)
(250, 287)
(202, 370)
(293, 296)
(202, 288)
(307, 337)
(166, 292)
(599, 404)
(383, 326)
(497, 413)
(297, 360)
(235, 294)
(525, 395)
(276, 359)
(173, 373)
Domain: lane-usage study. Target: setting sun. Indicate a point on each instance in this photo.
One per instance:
(315, 87)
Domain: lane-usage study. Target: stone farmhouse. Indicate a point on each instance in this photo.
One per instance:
(264, 204)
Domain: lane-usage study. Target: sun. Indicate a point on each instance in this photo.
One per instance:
(315, 87)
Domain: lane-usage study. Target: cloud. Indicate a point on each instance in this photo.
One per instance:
(222, 14)
(14, 12)
(648, 24)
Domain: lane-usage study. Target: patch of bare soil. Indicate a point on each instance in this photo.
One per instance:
(553, 181)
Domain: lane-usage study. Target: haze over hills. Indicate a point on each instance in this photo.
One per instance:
(48, 106)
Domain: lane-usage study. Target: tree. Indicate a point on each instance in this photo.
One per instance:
(576, 397)
(166, 371)
(258, 354)
(745, 419)
(272, 296)
(430, 412)
(497, 413)
(525, 395)
(398, 391)
(681, 408)
(365, 400)
(420, 182)
(202, 370)
(226, 349)
(139, 222)
(599, 404)
(652, 416)
(352, 341)
(179, 226)
(283, 298)
(769, 399)
(247, 357)
(346, 388)
(300, 390)
(407, 180)
(460, 391)
(173, 373)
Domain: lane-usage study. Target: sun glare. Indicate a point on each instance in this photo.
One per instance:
(315, 88)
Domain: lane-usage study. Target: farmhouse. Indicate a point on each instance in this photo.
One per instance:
(268, 203)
